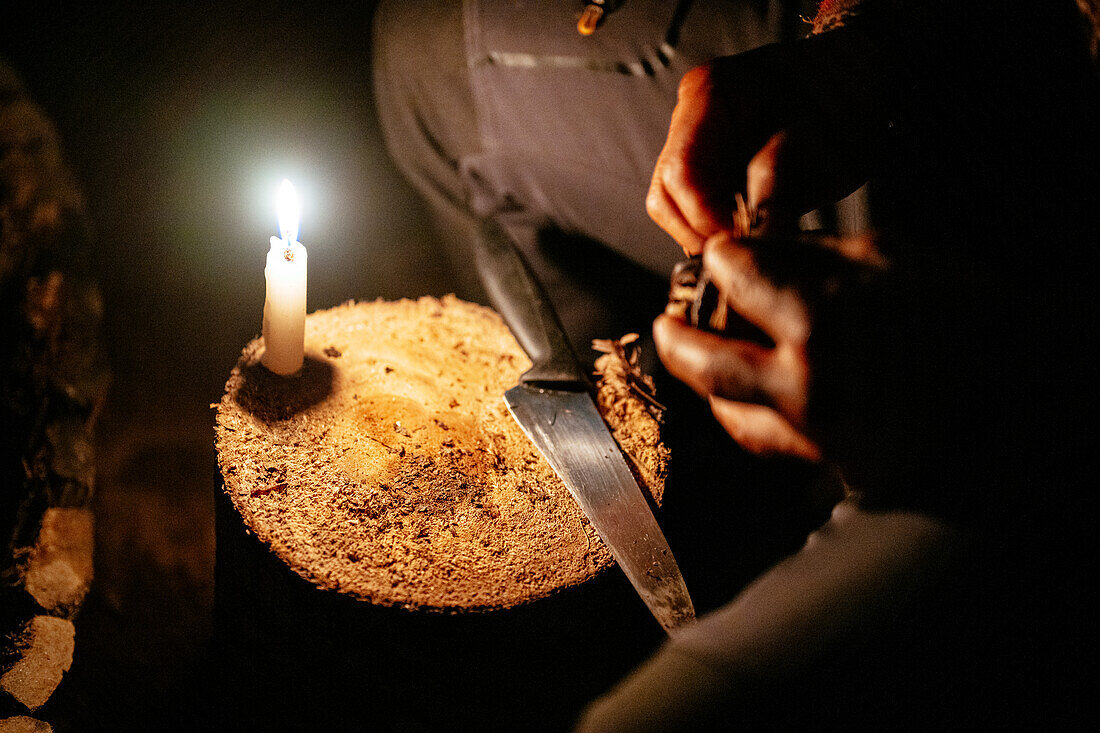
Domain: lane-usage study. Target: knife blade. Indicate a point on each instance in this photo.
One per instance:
(554, 407)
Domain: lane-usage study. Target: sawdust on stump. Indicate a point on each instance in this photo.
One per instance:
(390, 469)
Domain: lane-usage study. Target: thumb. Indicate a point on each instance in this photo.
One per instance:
(795, 172)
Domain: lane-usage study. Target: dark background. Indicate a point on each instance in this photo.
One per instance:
(179, 121)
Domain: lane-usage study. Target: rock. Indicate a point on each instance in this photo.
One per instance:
(60, 567)
(45, 648)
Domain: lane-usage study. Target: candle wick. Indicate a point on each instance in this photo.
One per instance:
(288, 254)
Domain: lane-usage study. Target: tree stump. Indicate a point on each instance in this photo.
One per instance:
(392, 549)
(53, 379)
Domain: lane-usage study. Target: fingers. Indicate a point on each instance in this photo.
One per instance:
(691, 191)
(778, 311)
(764, 191)
(665, 212)
(736, 377)
(796, 171)
(735, 370)
(681, 199)
(689, 196)
(762, 430)
(711, 364)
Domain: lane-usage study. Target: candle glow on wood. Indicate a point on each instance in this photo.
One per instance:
(285, 307)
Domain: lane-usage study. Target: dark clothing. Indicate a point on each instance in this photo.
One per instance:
(503, 109)
(927, 598)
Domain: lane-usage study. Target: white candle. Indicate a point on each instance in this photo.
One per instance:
(285, 308)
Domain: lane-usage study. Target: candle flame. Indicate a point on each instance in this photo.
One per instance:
(289, 211)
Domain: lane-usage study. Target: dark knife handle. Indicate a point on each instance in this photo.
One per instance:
(520, 299)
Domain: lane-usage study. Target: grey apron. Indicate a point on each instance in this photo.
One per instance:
(571, 125)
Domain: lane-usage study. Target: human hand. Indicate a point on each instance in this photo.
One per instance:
(817, 303)
(746, 124)
(716, 127)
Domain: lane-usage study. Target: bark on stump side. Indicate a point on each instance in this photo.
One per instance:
(392, 551)
(53, 379)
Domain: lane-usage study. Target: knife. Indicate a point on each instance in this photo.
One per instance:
(554, 406)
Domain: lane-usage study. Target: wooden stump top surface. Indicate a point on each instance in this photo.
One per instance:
(391, 471)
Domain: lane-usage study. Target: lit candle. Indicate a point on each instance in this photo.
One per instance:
(285, 308)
